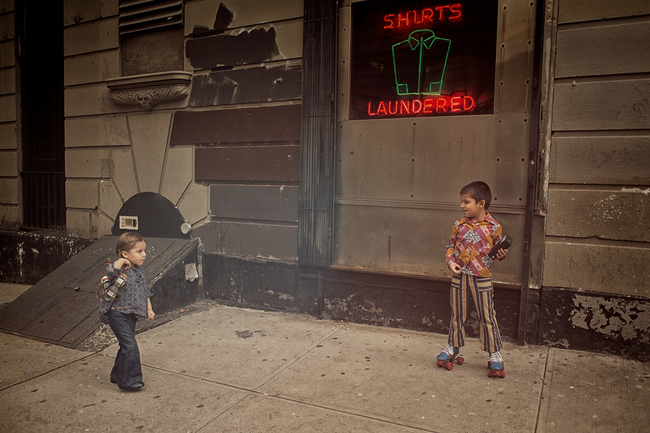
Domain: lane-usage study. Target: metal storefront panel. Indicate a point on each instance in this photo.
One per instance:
(412, 240)
(398, 179)
(431, 159)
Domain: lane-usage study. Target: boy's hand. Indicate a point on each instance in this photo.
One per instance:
(455, 268)
(501, 254)
(123, 264)
(150, 314)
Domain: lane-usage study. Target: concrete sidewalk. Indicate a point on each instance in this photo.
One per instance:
(226, 369)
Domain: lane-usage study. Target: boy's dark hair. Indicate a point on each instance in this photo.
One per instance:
(126, 242)
(478, 191)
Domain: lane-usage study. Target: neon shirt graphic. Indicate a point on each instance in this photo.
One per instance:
(420, 62)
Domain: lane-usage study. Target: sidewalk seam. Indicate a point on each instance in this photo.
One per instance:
(48, 371)
(274, 374)
(541, 390)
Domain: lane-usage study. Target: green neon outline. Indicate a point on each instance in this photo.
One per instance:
(422, 42)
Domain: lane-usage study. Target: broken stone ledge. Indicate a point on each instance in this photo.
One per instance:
(147, 90)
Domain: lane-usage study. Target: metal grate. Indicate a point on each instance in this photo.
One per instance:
(44, 200)
(140, 16)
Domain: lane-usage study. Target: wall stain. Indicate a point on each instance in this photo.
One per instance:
(612, 318)
(254, 46)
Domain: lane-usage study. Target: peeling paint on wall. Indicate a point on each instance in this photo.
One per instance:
(614, 318)
(254, 46)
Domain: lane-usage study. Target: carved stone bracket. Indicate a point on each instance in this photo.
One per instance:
(150, 89)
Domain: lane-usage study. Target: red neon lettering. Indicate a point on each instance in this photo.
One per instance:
(456, 102)
(415, 18)
(455, 10)
(428, 106)
(427, 14)
(389, 19)
(415, 110)
(468, 103)
(439, 104)
(441, 11)
(401, 20)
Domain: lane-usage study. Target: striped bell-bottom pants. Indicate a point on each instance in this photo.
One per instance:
(482, 292)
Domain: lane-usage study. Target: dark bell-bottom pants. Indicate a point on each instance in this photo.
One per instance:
(127, 369)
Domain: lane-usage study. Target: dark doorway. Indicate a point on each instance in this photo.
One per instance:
(40, 57)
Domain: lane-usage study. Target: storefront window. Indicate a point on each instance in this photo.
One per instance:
(422, 58)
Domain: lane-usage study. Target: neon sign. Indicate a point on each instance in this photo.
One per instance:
(442, 104)
(422, 58)
(424, 16)
(422, 48)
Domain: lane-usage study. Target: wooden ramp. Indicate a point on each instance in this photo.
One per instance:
(63, 307)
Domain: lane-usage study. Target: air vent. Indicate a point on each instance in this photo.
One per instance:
(140, 16)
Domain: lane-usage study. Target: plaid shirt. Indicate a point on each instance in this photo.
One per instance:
(132, 297)
(470, 244)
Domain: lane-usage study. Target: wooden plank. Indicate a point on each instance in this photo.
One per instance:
(81, 331)
(267, 83)
(266, 203)
(613, 160)
(601, 105)
(166, 259)
(603, 50)
(48, 292)
(57, 321)
(605, 214)
(52, 310)
(242, 125)
(248, 164)
(574, 11)
(580, 266)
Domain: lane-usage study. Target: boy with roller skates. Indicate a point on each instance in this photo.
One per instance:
(468, 258)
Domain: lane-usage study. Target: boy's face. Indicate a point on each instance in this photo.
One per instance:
(471, 209)
(137, 254)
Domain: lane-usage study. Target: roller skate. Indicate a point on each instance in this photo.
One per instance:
(447, 357)
(495, 365)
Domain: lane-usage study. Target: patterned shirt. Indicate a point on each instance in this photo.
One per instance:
(132, 296)
(470, 244)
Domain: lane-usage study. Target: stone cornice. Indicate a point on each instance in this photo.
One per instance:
(150, 89)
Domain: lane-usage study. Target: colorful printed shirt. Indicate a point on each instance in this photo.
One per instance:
(132, 297)
(470, 244)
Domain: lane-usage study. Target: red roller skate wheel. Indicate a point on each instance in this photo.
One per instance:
(460, 360)
(449, 366)
(496, 373)
(440, 363)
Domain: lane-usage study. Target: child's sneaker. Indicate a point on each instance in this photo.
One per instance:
(447, 357)
(495, 365)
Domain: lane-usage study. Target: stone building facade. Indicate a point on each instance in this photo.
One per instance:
(243, 116)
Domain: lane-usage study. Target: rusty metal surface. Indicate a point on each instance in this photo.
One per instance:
(399, 179)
